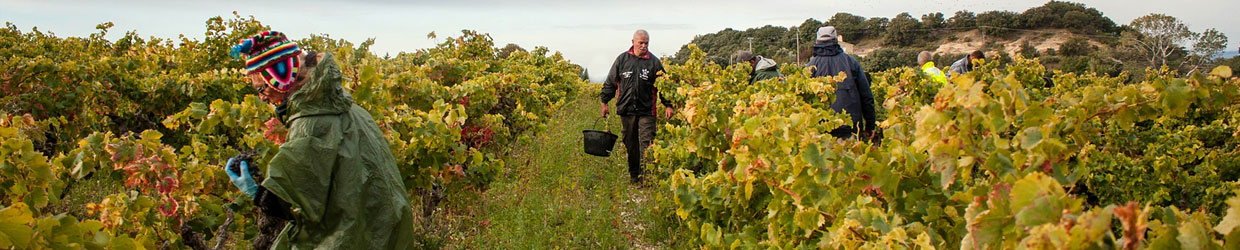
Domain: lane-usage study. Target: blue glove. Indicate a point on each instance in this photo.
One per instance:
(243, 181)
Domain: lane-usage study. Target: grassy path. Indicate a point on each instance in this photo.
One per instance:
(554, 196)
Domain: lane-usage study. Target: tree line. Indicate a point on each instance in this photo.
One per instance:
(1153, 40)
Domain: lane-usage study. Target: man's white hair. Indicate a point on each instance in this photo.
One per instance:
(641, 33)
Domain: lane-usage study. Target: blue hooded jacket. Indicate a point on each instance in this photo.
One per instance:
(852, 95)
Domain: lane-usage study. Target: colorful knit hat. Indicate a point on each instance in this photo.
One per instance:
(272, 54)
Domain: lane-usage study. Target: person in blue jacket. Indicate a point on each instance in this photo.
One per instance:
(853, 95)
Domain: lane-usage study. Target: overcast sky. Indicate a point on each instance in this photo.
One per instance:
(590, 33)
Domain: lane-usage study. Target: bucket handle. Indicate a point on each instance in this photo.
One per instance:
(605, 123)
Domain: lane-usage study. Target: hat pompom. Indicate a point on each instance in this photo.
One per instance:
(245, 45)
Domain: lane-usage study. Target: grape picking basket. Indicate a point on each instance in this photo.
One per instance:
(598, 142)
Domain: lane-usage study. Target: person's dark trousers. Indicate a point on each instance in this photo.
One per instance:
(638, 135)
(842, 132)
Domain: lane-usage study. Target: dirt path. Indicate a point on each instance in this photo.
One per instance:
(554, 196)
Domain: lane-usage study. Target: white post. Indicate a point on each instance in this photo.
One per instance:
(797, 49)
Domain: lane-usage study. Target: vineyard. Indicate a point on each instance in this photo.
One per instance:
(121, 144)
(1000, 158)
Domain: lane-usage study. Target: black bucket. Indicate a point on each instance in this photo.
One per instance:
(597, 142)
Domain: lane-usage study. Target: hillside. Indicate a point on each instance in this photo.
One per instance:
(963, 42)
(1066, 36)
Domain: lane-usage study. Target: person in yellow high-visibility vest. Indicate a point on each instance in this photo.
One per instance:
(927, 67)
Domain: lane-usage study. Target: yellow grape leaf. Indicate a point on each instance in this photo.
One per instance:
(1222, 71)
(15, 228)
(1232, 219)
(1194, 234)
(808, 219)
(749, 190)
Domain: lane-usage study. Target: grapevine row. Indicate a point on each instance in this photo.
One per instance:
(999, 158)
(119, 144)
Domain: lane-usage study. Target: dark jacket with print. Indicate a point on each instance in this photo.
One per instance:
(852, 95)
(631, 83)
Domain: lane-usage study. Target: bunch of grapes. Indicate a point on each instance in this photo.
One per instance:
(269, 226)
(247, 157)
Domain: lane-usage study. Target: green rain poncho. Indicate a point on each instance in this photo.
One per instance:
(337, 173)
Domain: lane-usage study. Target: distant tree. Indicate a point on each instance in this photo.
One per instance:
(1075, 20)
(902, 30)
(933, 21)
(767, 40)
(808, 30)
(1207, 46)
(873, 27)
(1027, 50)
(889, 58)
(1066, 15)
(509, 49)
(1157, 37)
(1042, 16)
(997, 22)
(1074, 64)
(1075, 46)
(778, 43)
(962, 19)
(847, 25)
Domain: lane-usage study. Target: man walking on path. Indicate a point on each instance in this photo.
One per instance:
(631, 83)
(760, 68)
(852, 95)
(928, 68)
(964, 65)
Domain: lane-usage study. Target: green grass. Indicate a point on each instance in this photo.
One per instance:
(554, 196)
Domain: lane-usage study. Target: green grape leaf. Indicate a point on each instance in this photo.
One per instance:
(814, 156)
(1033, 186)
(711, 234)
(1030, 137)
(987, 228)
(1175, 98)
(123, 243)
(1044, 209)
(1091, 226)
(1232, 240)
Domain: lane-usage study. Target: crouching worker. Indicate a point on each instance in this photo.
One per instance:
(334, 179)
(760, 68)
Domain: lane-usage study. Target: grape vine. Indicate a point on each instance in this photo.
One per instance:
(120, 144)
(999, 158)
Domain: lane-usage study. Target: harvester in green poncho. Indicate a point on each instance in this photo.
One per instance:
(334, 179)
